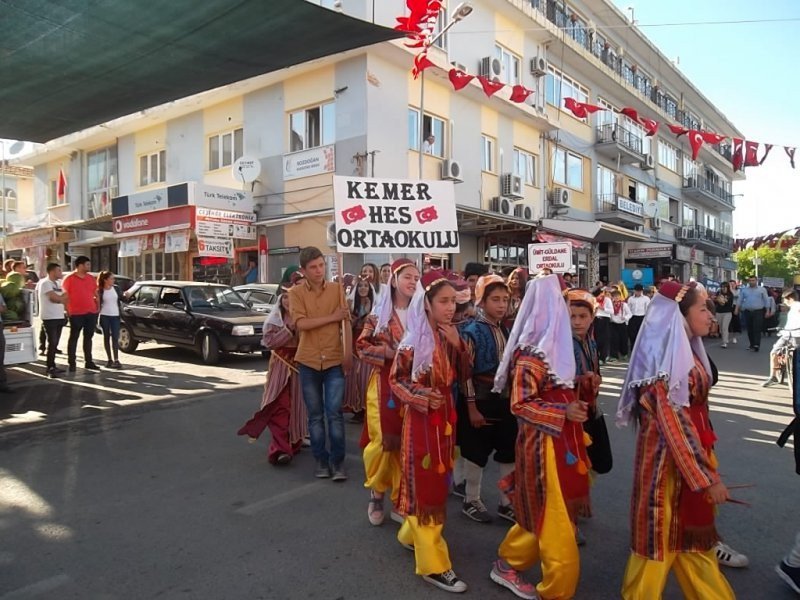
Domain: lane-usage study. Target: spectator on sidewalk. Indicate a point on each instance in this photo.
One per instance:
(752, 303)
(109, 317)
(52, 300)
(82, 306)
(324, 355)
(251, 275)
(724, 309)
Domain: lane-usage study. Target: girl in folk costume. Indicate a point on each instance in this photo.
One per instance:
(282, 408)
(550, 484)
(361, 302)
(676, 482)
(376, 347)
(429, 360)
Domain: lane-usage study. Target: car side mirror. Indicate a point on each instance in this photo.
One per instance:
(179, 305)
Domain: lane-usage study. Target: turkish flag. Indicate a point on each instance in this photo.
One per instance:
(767, 148)
(750, 154)
(421, 62)
(712, 138)
(678, 130)
(580, 109)
(519, 93)
(650, 126)
(459, 79)
(630, 113)
(738, 154)
(490, 88)
(790, 153)
(61, 187)
(696, 141)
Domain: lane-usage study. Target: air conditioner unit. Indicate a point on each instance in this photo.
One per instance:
(501, 205)
(330, 233)
(451, 170)
(655, 223)
(511, 186)
(688, 233)
(459, 66)
(649, 162)
(491, 68)
(538, 66)
(524, 211)
(560, 197)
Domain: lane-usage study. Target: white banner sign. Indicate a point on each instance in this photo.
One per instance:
(176, 241)
(222, 247)
(309, 162)
(211, 222)
(395, 216)
(130, 247)
(556, 257)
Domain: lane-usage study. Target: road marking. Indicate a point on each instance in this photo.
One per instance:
(262, 505)
(37, 588)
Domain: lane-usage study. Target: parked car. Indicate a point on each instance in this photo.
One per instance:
(261, 297)
(209, 318)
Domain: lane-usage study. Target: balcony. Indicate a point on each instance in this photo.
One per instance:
(703, 189)
(706, 238)
(619, 210)
(614, 140)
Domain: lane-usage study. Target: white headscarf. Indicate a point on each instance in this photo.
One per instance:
(663, 351)
(542, 324)
(419, 335)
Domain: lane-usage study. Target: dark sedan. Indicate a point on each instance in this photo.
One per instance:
(209, 318)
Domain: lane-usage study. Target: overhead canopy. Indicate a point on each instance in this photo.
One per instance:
(72, 64)
(595, 231)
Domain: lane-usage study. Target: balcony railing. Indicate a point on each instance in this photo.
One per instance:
(616, 133)
(706, 185)
(612, 203)
(698, 232)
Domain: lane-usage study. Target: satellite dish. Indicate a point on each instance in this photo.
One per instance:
(651, 209)
(246, 169)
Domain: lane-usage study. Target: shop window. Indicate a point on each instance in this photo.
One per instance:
(225, 148)
(153, 168)
(312, 127)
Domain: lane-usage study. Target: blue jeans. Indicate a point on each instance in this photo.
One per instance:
(110, 326)
(323, 393)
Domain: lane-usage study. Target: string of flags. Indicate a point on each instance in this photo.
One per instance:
(782, 240)
(419, 27)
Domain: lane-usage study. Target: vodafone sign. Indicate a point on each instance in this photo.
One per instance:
(157, 221)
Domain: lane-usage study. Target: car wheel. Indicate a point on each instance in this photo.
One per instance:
(209, 349)
(127, 343)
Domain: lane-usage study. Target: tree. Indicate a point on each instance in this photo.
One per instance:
(793, 259)
(773, 263)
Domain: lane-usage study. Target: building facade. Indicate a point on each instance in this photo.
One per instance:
(524, 172)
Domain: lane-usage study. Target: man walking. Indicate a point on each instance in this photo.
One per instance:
(52, 300)
(81, 289)
(752, 303)
(324, 354)
(638, 304)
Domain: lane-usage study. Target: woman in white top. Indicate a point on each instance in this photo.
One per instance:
(109, 317)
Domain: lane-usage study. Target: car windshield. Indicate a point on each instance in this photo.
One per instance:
(214, 297)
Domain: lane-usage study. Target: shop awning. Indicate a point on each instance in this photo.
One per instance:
(595, 231)
(294, 217)
(96, 224)
(72, 64)
(479, 221)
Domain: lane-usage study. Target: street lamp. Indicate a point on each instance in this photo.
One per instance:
(462, 11)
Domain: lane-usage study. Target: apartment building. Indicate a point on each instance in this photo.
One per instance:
(140, 186)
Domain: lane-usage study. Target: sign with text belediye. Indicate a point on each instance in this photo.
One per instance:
(557, 257)
(395, 215)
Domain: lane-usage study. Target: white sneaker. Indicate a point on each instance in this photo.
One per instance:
(728, 557)
(735, 341)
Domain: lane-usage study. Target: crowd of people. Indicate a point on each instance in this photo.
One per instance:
(449, 370)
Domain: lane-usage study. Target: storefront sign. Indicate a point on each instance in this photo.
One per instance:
(394, 215)
(629, 206)
(30, 239)
(209, 246)
(212, 222)
(647, 251)
(130, 247)
(176, 241)
(314, 161)
(556, 257)
(226, 199)
(645, 277)
(773, 282)
(161, 220)
(183, 194)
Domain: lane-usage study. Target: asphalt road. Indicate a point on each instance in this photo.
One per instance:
(134, 485)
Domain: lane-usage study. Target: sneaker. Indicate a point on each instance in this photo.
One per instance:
(771, 381)
(460, 490)
(447, 581)
(42, 352)
(397, 517)
(323, 470)
(476, 511)
(110, 364)
(91, 366)
(503, 574)
(723, 345)
(375, 510)
(339, 474)
(728, 557)
(611, 359)
(358, 417)
(283, 459)
(507, 512)
(580, 539)
(117, 364)
(790, 575)
(306, 442)
(71, 368)
(735, 340)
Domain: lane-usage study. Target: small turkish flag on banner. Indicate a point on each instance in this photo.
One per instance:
(459, 79)
(490, 88)
(520, 93)
(61, 186)
(580, 109)
(751, 154)
(630, 112)
(678, 130)
(650, 126)
(696, 141)
(712, 138)
(421, 62)
(767, 148)
(790, 153)
(738, 154)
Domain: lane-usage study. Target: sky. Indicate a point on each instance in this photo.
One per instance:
(749, 72)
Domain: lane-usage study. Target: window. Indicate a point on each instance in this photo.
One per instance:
(606, 183)
(431, 126)
(689, 167)
(511, 74)
(487, 153)
(225, 148)
(668, 156)
(52, 195)
(10, 199)
(568, 169)
(312, 127)
(607, 116)
(153, 168)
(674, 211)
(637, 192)
(689, 216)
(712, 222)
(559, 86)
(441, 22)
(169, 296)
(525, 166)
(101, 180)
(671, 106)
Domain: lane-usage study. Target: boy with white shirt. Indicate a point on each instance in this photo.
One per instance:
(638, 304)
(620, 315)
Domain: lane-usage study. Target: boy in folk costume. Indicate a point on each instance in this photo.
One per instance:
(676, 483)
(429, 360)
(486, 426)
(376, 347)
(550, 484)
(282, 408)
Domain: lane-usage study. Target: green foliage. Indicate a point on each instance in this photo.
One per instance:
(773, 263)
(793, 259)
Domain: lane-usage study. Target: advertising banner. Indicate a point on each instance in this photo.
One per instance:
(211, 222)
(220, 247)
(305, 163)
(557, 257)
(176, 241)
